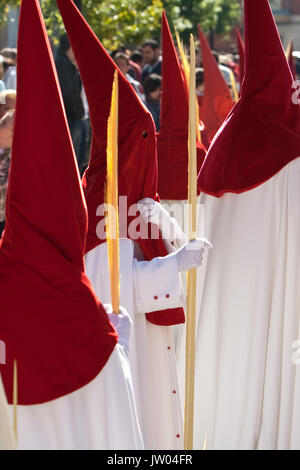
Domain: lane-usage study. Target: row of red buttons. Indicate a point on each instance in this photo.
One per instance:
(167, 296)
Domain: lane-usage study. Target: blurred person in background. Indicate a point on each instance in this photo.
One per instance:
(85, 146)
(296, 55)
(7, 101)
(10, 70)
(122, 61)
(6, 135)
(2, 84)
(152, 59)
(10, 53)
(136, 61)
(152, 89)
(71, 88)
(200, 84)
(226, 71)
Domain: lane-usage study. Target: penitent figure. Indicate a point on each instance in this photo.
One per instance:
(150, 284)
(74, 380)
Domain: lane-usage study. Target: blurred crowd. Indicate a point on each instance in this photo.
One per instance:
(143, 69)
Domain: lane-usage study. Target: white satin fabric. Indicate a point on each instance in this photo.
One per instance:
(247, 388)
(101, 415)
(151, 351)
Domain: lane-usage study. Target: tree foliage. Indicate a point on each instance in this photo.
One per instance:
(123, 21)
(217, 15)
(4, 9)
(129, 22)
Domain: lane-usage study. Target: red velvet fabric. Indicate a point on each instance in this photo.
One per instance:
(172, 140)
(241, 49)
(50, 319)
(137, 139)
(217, 99)
(262, 133)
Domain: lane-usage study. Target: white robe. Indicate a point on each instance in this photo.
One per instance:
(147, 287)
(101, 415)
(247, 387)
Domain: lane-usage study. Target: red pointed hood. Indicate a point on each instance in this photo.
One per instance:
(217, 100)
(172, 140)
(262, 133)
(241, 49)
(51, 321)
(137, 139)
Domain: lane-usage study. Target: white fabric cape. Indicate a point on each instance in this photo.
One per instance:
(247, 388)
(101, 415)
(144, 286)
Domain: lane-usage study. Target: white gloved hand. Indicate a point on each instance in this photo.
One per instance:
(122, 324)
(190, 256)
(153, 212)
